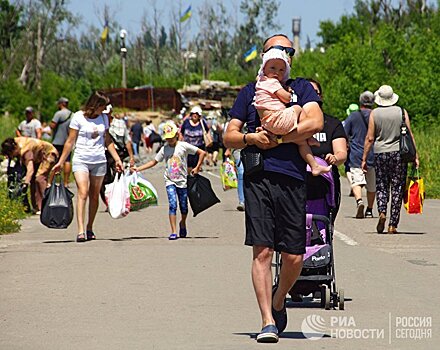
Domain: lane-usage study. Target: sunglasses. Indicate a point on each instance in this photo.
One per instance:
(289, 50)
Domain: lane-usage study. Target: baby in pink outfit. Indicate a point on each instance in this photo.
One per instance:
(271, 99)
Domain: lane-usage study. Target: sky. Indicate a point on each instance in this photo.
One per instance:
(129, 13)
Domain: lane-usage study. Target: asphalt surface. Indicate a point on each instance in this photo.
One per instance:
(134, 289)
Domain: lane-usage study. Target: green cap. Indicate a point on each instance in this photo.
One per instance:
(353, 107)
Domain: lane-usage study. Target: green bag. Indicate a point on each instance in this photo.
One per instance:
(142, 192)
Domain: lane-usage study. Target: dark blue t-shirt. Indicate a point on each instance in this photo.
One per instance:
(284, 158)
(356, 127)
(193, 134)
(136, 130)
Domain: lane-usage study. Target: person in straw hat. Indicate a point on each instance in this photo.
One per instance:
(384, 132)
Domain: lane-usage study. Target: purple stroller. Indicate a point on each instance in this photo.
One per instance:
(318, 272)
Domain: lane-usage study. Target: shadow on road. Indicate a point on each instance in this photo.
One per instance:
(131, 239)
(394, 234)
(286, 335)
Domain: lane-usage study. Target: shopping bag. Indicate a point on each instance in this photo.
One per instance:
(200, 194)
(118, 197)
(228, 175)
(142, 192)
(57, 205)
(414, 193)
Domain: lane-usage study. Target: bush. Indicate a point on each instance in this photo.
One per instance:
(8, 126)
(428, 147)
(11, 211)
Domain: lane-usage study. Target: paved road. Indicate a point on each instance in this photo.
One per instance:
(134, 289)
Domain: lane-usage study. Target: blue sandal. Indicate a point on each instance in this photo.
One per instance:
(172, 237)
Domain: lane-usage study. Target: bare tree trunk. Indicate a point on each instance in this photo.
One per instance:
(38, 65)
(423, 7)
(24, 73)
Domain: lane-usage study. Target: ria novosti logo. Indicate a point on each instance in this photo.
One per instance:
(313, 327)
(345, 327)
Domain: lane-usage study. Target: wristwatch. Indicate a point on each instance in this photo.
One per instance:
(279, 139)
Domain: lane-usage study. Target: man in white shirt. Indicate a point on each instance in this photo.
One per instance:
(31, 127)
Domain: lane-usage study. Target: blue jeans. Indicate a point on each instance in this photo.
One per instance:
(135, 148)
(175, 193)
(240, 172)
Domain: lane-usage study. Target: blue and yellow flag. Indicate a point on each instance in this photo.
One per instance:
(104, 33)
(186, 15)
(250, 54)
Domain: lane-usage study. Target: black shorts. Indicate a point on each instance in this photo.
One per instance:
(60, 151)
(214, 148)
(275, 212)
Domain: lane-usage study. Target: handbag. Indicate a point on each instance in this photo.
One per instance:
(207, 138)
(252, 160)
(414, 194)
(406, 144)
(57, 206)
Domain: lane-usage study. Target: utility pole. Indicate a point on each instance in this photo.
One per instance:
(122, 35)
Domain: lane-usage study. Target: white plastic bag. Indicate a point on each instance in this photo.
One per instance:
(118, 197)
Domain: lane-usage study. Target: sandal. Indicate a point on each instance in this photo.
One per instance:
(80, 237)
(172, 237)
(90, 235)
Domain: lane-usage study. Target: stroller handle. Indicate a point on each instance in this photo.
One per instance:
(321, 218)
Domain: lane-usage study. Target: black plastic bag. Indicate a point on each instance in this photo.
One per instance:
(154, 137)
(200, 194)
(16, 190)
(57, 207)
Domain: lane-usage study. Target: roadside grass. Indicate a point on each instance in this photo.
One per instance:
(8, 125)
(428, 147)
(11, 212)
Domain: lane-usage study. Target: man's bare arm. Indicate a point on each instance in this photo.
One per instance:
(234, 138)
(311, 121)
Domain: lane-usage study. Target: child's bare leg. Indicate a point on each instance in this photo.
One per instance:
(306, 154)
(173, 222)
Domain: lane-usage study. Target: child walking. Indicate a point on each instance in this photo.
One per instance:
(270, 100)
(175, 154)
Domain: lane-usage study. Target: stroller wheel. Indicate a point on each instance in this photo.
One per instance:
(341, 299)
(325, 297)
